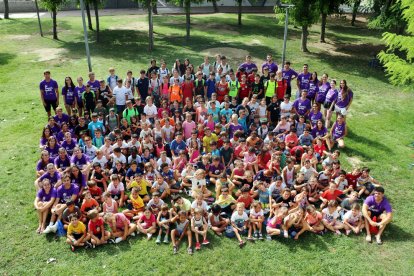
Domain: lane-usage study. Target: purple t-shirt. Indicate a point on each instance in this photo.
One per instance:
(338, 130)
(321, 93)
(302, 106)
(48, 89)
(42, 165)
(313, 89)
(53, 152)
(64, 119)
(233, 128)
(288, 75)
(216, 170)
(53, 129)
(331, 95)
(79, 181)
(45, 197)
(78, 93)
(69, 146)
(314, 117)
(248, 67)
(80, 162)
(69, 95)
(62, 164)
(94, 85)
(319, 132)
(378, 208)
(52, 178)
(342, 103)
(272, 67)
(65, 195)
(304, 80)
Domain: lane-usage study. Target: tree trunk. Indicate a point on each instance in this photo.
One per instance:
(88, 14)
(150, 27)
(215, 7)
(54, 13)
(187, 7)
(239, 2)
(154, 8)
(6, 9)
(95, 5)
(323, 27)
(355, 8)
(304, 39)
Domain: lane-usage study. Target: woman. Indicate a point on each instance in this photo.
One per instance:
(319, 130)
(324, 86)
(43, 203)
(337, 133)
(42, 163)
(315, 115)
(52, 147)
(79, 89)
(76, 177)
(46, 133)
(344, 100)
(329, 104)
(69, 95)
(313, 87)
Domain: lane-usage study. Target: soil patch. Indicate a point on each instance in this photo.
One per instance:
(138, 25)
(46, 54)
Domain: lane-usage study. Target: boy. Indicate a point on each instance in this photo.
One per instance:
(240, 223)
(89, 99)
(77, 235)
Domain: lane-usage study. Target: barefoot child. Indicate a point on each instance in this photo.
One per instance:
(217, 222)
(353, 221)
(330, 217)
(256, 218)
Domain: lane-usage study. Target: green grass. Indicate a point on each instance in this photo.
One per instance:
(380, 125)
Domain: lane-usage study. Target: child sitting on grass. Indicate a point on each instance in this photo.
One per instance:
(181, 230)
(77, 235)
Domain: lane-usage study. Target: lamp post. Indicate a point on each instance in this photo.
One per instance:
(38, 18)
(286, 7)
(85, 34)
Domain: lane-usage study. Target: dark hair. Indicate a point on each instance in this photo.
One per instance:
(379, 189)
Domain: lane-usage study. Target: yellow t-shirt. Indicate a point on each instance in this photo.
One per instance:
(207, 140)
(78, 230)
(223, 202)
(143, 184)
(137, 203)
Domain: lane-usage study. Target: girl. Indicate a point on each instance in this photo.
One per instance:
(262, 110)
(199, 227)
(331, 216)
(125, 130)
(353, 220)
(167, 132)
(256, 219)
(96, 228)
(135, 204)
(344, 99)
(337, 133)
(157, 130)
(116, 188)
(46, 134)
(315, 115)
(194, 152)
(154, 88)
(44, 200)
(150, 109)
(275, 225)
(199, 203)
(319, 130)
(329, 104)
(181, 230)
(209, 122)
(312, 222)
(313, 87)
(324, 86)
(69, 97)
(217, 222)
(79, 89)
(77, 234)
(42, 163)
(161, 187)
(240, 223)
(120, 226)
(52, 147)
(198, 184)
(164, 89)
(250, 160)
(147, 223)
(163, 221)
(293, 223)
(150, 173)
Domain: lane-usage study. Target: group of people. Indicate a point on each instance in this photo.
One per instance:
(180, 153)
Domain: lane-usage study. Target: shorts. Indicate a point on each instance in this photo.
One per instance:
(369, 186)
(116, 197)
(79, 104)
(327, 105)
(341, 110)
(50, 104)
(77, 236)
(120, 108)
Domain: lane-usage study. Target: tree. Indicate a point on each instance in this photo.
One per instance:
(305, 13)
(398, 59)
(389, 18)
(96, 4)
(6, 9)
(355, 6)
(187, 9)
(327, 7)
(149, 4)
(215, 7)
(53, 6)
(239, 11)
(88, 15)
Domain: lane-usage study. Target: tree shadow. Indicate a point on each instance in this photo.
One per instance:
(5, 58)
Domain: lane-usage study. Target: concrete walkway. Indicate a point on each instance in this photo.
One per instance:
(140, 11)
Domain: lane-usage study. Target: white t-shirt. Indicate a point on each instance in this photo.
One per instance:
(341, 185)
(239, 219)
(121, 159)
(351, 218)
(101, 161)
(330, 216)
(119, 94)
(116, 190)
(262, 111)
(203, 206)
(255, 214)
(129, 93)
(150, 110)
(197, 183)
(160, 162)
(308, 172)
(286, 106)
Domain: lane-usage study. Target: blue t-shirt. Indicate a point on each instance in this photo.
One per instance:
(176, 147)
(92, 126)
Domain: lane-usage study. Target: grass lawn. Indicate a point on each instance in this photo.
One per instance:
(380, 130)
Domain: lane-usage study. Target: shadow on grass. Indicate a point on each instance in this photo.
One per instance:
(394, 233)
(312, 241)
(5, 58)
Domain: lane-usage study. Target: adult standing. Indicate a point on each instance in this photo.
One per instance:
(49, 93)
(270, 64)
(121, 96)
(303, 80)
(248, 65)
(69, 95)
(288, 74)
(377, 212)
(142, 85)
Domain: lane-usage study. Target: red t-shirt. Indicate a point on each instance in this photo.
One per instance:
(222, 90)
(352, 179)
(247, 201)
(95, 191)
(88, 205)
(319, 149)
(97, 226)
(281, 89)
(147, 222)
(187, 90)
(244, 90)
(329, 196)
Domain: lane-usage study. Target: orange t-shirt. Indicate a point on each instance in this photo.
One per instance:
(175, 93)
(89, 205)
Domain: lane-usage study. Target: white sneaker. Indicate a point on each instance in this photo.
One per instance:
(149, 235)
(47, 230)
(378, 239)
(54, 227)
(132, 234)
(368, 238)
(118, 240)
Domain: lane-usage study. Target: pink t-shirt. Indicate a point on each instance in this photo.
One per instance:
(120, 219)
(188, 128)
(147, 222)
(194, 155)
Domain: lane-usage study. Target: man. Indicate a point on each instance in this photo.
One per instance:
(49, 93)
(288, 74)
(121, 96)
(142, 85)
(248, 65)
(303, 80)
(377, 212)
(270, 64)
(130, 111)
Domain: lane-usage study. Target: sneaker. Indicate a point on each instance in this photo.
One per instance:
(88, 245)
(368, 238)
(47, 230)
(118, 240)
(175, 250)
(132, 234)
(378, 239)
(111, 241)
(190, 251)
(166, 239)
(149, 235)
(260, 236)
(268, 237)
(286, 234)
(205, 242)
(197, 246)
(158, 241)
(54, 227)
(180, 191)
